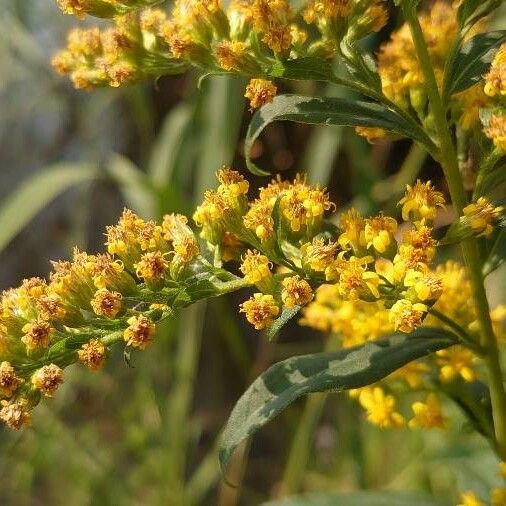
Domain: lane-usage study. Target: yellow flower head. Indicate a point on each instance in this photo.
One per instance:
(184, 243)
(327, 9)
(495, 80)
(152, 266)
(106, 303)
(379, 233)
(9, 381)
(92, 354)
(232, 184)
(426, 286)
(371, 134)
(418, 246)
(406, 316)
(259, 219)
(260, 310)
(318, 254)
(47, 379)
(427, 414)
(481, 215)
(352, 225)
(355, 281)
(401, 75)
(420, 203)
(271, 20)
(380, 408)
(37, 335)
(496, 131)
(255, 267)
(15, 414)
(296, 292)
(260, 92)
(456, 362)
(139, 332)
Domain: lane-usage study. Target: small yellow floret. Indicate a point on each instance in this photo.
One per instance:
(14, 413)
(427, 414)
(481, 216)
(296, 292)
(420, 203)
(9, 381)
(260, 92)
(106, 303)
(92, 354)
(47, 379)
(407, 316)
(380, 408)
(139, 333)
(260, 310)
(255, 267)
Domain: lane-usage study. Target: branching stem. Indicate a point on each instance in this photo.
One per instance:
(449, 162)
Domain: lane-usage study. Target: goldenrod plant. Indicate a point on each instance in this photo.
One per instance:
(407, 324)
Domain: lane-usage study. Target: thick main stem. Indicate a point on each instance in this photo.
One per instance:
(449, 162)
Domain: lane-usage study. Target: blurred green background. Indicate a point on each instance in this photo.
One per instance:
(146, 434)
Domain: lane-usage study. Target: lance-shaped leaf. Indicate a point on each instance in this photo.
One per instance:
(471, 62)
(303, 69)
(327, 111)
(497, 254)
(340, 370)
(471, 11)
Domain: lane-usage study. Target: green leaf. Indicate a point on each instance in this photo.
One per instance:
(471, 62)
(497, 255)
(286, 315)
(361, 65)
(471, 11)
(376, 498)
(303, 69)
(340, 370)
(489, 179)
(325, 111)
(37, 192)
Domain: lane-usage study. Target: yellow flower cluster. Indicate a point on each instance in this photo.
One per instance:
(357, 321)
(88, 304)
(365, 279)
(247, 37)
(402, 77)
(366, 261)
(132, 49)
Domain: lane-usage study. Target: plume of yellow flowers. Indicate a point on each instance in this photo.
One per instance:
(360, 281)
(247, 37)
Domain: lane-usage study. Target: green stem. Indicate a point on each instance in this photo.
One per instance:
(457, 329)
(449, 162)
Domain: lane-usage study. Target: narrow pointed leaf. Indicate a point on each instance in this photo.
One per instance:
(326, 111)
(340, 370)
(471, 62)
(497, 254)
